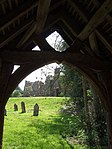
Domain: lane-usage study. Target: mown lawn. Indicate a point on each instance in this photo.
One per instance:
(46, 131)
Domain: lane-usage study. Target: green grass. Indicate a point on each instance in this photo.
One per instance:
(25, 131)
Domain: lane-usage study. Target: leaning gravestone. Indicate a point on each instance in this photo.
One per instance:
(15, 107)
(23, 107)
(36, 110)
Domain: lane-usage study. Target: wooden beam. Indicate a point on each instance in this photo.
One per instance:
(17, 13)
(68, 21)
(3, 8)
(22, 72)
(101, 13)
(29, 57)
(42, 43)
(93, 43)
(74, 58)
(11, 35)
(104, 41)
(10, 4)
(56, 5)
(65, 33)
(2, 1)
(67, 24)
(42, 12)
(76, 8)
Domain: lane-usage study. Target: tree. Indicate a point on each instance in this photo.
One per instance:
(16, 93)
(71, 84)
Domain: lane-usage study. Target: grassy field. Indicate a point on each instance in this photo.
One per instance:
(46, 131)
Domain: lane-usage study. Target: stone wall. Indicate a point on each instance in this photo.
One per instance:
(51, 87)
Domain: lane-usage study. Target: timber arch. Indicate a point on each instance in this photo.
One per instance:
(86, 25)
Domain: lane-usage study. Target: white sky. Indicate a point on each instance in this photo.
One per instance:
(40, 73)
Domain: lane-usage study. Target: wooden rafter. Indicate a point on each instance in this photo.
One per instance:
(101, 13)
(42, 13)
(42, 43)
(3, 8)
(16, 14)
(67, 23)
(74, 58)
(41, 16)
(104, 41)
(2, 1)
(10, 4)
(72, 25)
(56, 5)
(66, 31)
(76, 8)
(93, 43)
(15, 32)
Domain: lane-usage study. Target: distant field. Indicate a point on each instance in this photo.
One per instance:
(25, 131)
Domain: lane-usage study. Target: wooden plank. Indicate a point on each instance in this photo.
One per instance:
(16, 14)
(42, 12)
(93, 43)
(42, 43)
(56, 5)
(2, 1)
(10, 4)
(76, 8)
(28, 34)
(104, 41)
(3, 9)
(101, 13)
(15, 32)
(69, 26)
(44, 56)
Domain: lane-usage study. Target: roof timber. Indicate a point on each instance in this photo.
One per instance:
(101, 13)
(3, 8)
(16, 14)
(81, 12)
(104, 41)
(42, 43)
(41, 16)
(15, 32)
(93, 43)
(10, 4)
(2, 1)
(74, 58)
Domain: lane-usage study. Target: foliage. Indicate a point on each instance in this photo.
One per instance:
(16, 93)
(71, 84)
(90, 112)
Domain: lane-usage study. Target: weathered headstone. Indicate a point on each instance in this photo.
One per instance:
(36, 110)
(23, 107)
(5, 112)
(15, 107)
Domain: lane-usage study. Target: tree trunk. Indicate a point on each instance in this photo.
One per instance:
(1, 125)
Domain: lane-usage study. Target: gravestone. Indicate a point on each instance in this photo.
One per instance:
(5, 112)
(36, 110)
(23, 107)
(15, 107)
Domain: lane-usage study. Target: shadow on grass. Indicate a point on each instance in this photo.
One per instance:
(43, 134)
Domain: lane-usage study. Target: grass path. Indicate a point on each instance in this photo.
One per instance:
(24, 131)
